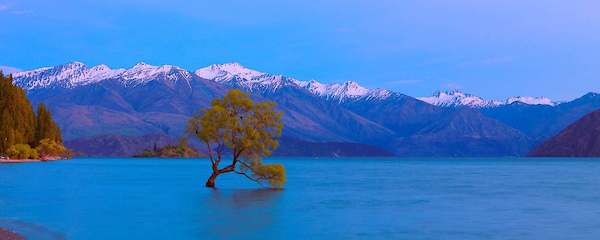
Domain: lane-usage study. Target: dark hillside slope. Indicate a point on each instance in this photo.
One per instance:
(581, 139)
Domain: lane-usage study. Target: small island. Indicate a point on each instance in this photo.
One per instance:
(182, 150)
(25, 135)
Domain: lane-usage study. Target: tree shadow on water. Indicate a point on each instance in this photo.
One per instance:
(245, 198)
(241, 213)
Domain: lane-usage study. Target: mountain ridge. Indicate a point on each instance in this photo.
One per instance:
(234, 74)
(148, 100)
(457, 98)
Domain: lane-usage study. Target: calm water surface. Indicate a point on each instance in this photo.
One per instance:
(323, 199)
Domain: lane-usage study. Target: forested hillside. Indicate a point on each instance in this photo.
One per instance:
(21, 129)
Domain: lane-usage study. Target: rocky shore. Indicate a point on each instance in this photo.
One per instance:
(9, 235)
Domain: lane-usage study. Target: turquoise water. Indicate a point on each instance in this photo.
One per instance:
(324, 199)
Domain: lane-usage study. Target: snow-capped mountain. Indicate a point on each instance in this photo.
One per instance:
(344, 91)
(68, 76)
(142, 73)
(228, 71)
(146, 100)
(531, 100)
(234, 74)
(457, 98)
(78, 74)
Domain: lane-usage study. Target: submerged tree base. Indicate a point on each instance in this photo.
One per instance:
(210, 183)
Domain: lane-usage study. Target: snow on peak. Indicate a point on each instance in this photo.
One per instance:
(234, 74)
(67, 75)
(346, 90)
(379, 94)
(531, 101)
(314, 87)
(142, 73)
(343, 91)
(351, 89)
(457, 98)
(77, 74)
(226, 72)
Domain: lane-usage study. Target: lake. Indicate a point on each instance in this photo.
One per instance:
(354, 198)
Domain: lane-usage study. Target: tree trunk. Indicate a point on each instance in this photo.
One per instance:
(210, 183)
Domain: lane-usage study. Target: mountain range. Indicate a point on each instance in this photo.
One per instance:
(457, 98)
(119, 111)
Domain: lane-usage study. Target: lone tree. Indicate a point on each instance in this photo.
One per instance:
(246, 131)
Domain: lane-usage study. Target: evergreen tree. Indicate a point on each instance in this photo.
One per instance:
(46, 128)
(18, 123)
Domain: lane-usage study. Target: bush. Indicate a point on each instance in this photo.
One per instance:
(22, 151)
(50, 149)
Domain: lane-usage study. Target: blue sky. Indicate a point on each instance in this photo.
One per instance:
(492, 48)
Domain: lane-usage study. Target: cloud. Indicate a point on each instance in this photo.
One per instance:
(6, 8)
(9, 70)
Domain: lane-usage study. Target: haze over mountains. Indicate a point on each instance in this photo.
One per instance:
(97, 105)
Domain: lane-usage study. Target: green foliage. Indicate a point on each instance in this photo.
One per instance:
(49, 148)
(22, 151)
(237, 125)
(18, 122)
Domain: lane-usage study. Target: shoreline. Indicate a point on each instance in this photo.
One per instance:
(10, 235)
(8, 161)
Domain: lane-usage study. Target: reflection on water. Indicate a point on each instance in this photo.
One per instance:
(240, 213)
(243, 198)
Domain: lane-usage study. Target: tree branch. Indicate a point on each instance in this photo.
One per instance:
(219, 153)
(245, 164)
(236, 156)
(210, 153)
(229, 168)
(257, 180)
